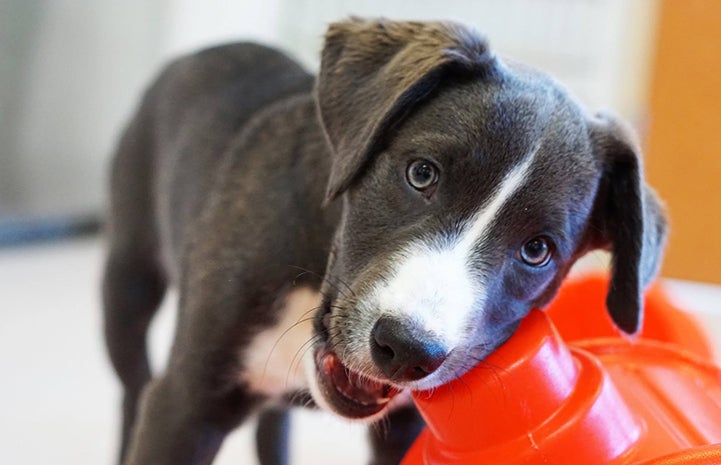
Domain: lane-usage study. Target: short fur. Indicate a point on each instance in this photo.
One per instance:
(240, 169)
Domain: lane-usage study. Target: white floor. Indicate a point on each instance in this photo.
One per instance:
(58, 397)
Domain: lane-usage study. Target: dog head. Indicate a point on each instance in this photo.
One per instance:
(469, 186)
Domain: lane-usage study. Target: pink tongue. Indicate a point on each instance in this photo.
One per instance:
(356, 388)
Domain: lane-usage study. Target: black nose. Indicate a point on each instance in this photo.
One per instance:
(403, 354)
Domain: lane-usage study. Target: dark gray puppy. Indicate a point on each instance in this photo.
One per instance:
(414, 201)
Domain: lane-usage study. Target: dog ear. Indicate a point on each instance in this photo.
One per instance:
(628, 218)
(372, 73)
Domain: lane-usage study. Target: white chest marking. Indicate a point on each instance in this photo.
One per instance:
(435, 286)
(272, 361)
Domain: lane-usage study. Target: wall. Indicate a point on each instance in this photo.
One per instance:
(71, 72)
(684, 143)
(72, 69)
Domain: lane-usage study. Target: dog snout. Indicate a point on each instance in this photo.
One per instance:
(404, 353)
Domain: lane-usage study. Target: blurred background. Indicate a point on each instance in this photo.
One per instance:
(71, 72)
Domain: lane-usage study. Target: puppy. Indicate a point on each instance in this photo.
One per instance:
(414, 201)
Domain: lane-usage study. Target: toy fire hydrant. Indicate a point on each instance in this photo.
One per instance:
(598, 400)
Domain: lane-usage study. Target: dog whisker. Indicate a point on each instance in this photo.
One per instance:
(298, 357)
(325, 278)
(322, 278)
(453, 400)
(493, 369)
(343, 282)
(318, 308)
(278, 340)
(287, 331)
(314, 309)
(459, 377)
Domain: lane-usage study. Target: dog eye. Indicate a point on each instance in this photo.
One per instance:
(422, 174)
(536, 252)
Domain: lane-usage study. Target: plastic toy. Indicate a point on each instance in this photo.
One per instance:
(597, 400)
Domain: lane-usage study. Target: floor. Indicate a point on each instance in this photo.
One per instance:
(58, 397)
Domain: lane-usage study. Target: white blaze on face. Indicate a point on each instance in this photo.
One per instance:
(434, 286)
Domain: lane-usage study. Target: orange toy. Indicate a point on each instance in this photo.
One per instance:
(599, 400)
(579, 312)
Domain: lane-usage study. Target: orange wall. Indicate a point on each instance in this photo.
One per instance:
(683, 159)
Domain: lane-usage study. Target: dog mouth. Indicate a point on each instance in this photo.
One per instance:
(349, 392)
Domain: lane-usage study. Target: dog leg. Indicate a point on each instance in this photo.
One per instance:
(134, 282)
(392, 437)
(272, 436)
(203, 395)
(133, 289)
(179, 425)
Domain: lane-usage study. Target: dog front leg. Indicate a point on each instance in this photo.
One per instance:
(178, 425)
(392, 437)
(184, 415)
(272, 436)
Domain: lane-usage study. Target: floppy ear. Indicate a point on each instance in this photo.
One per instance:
(628, 218)
(372, 73)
